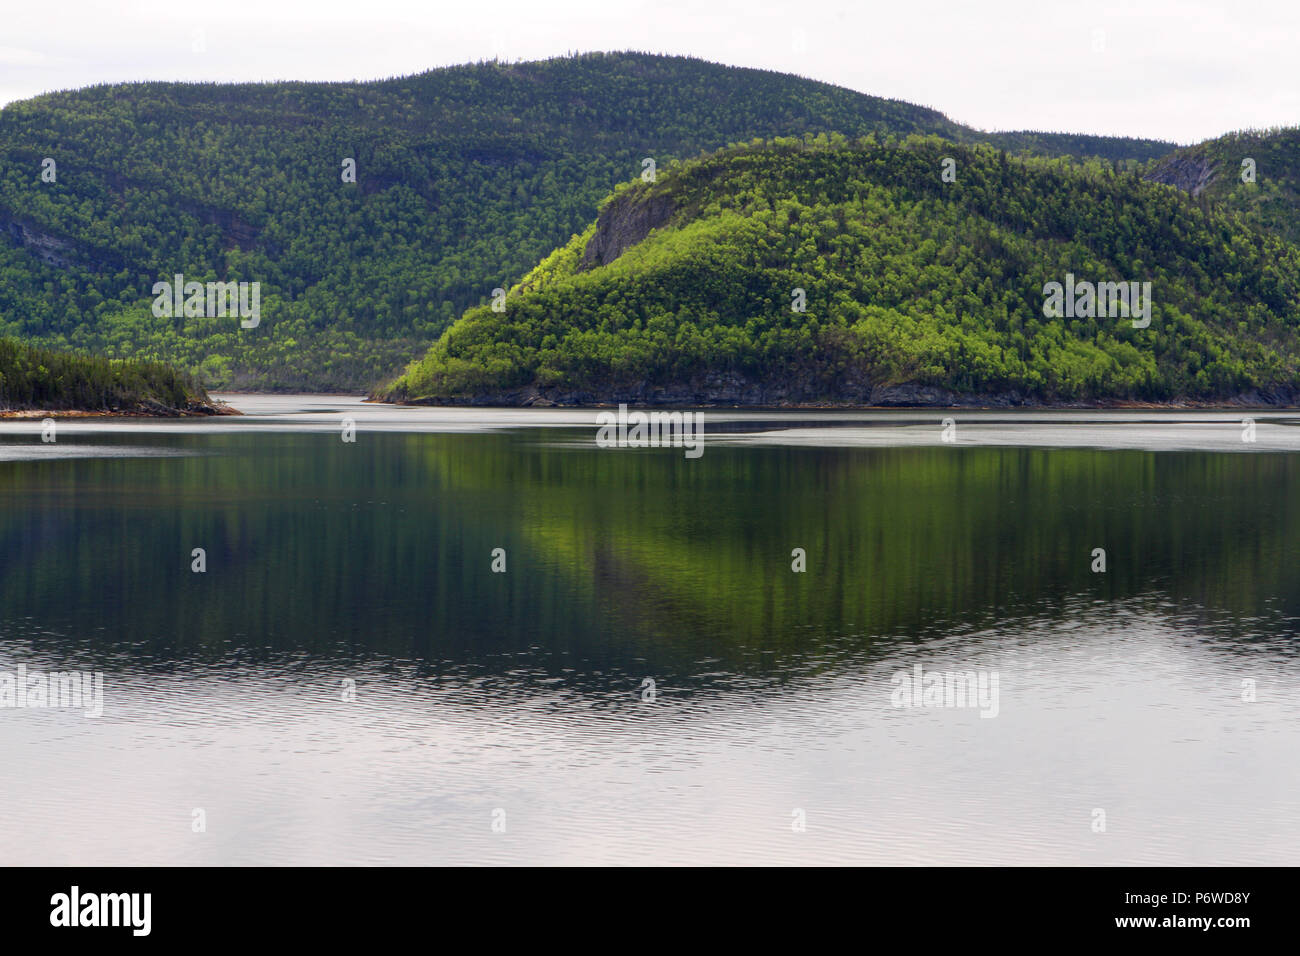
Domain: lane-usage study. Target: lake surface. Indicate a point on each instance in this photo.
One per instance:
(348, 681)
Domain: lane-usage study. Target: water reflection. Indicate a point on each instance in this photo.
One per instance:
(371, 563)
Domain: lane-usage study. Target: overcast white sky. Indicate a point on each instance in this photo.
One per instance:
(1171, 69)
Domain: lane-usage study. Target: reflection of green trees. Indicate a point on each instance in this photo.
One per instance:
(310, 543)
(384, 545)
(902, 540)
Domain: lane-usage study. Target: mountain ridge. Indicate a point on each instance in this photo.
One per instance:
(466, 177)
(918, 290)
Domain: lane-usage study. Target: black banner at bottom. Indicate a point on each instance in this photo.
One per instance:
(1220, 907)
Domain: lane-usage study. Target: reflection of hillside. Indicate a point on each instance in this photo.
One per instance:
(622, 556)
(899, 540)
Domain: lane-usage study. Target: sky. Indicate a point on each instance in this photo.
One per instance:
(1181, 71)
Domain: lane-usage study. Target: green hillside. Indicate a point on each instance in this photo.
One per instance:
(916, 289)
(36, 378)
(465, 178)
(1255, 173)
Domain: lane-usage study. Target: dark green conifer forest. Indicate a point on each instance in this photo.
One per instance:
(905, 278)
(465, 178)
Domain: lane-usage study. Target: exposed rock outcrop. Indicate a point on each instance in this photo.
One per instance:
(729, 390)
(621, 225)
(53, 249)
(48, 248)
(1191, 174)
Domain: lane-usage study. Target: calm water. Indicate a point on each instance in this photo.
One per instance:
(519, 697)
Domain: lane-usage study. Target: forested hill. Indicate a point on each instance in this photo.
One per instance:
(465, 177)
(38, 379)
(830, 271)
(1256, 173)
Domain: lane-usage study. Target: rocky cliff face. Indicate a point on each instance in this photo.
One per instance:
(53, 249)
(622, 224)
(728, 389)
(722, 391)
(1189, 173)
(49, 248)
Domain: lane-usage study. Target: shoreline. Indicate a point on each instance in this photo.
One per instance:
(737, 396)
(214, 410)
(219, 409)
(1238, 404)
